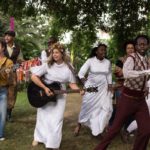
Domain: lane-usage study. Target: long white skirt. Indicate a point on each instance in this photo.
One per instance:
(48, 129)
(96, 110)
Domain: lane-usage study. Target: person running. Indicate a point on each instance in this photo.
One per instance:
(96, 108)
(49, 122)
(14, 53)
(132, 99)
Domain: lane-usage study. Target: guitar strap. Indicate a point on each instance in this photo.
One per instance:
(71, 68)
(74, 72)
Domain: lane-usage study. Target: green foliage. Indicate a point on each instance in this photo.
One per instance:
(3, 25)
(80, 46)
(2, 28)
(73, 13)
(122, 19)
(19, 8)
(12, 7)
(129, 18)
(112, 50)
(31, 33)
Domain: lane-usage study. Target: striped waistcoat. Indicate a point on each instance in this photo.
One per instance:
(138, 83)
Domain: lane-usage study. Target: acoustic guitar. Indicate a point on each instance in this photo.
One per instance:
(37, 97)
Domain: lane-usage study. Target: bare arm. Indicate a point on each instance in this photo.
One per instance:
(74, 86)
(38, 82)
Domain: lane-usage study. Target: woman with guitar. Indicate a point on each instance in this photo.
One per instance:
(5, 64)
(48, 129)
(96, 108)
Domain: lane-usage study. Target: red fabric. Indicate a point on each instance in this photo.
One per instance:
(23, 73)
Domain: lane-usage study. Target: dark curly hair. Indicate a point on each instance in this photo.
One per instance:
(93, 51)
(142, 36)
(127, 43)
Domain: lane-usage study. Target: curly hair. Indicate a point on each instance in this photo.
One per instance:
(93, 51)
(61, 49)
(142, 36)
(127, 43)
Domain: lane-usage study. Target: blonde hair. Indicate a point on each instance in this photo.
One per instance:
(61, 49)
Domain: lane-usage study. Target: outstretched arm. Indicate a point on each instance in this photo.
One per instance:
(128, 69)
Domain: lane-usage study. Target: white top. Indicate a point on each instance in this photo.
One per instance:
(60, 73)
(95, 67)
(49, 122)
(128, 66)
(96, 107)
(43, 57)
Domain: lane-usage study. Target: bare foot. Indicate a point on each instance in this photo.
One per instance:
(77, 130)
(34, 143)
(52, 149)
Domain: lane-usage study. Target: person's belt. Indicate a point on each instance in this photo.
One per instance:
(133, 97)
(133, 94)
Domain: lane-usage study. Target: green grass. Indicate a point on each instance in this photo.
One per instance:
(19, 134)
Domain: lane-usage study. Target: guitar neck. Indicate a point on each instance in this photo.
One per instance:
(66, 91)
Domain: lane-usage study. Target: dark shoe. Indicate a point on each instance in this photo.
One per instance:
(125, 136)
(9, 115)
(9, 119)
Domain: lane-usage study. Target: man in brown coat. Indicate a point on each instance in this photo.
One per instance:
(14, 53)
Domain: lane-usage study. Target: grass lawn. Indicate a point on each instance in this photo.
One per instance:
(19, 134)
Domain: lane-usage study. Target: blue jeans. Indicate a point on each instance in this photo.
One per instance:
(3, 109)
(117, 94)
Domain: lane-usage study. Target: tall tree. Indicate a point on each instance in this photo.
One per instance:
(123, 19)
(129, 18)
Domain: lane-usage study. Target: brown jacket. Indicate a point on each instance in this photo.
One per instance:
(5, 63)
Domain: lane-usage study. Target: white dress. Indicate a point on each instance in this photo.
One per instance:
(96, 108)
(48, 129)
(44, 56)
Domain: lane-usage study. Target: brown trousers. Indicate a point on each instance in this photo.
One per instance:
(127, 106)
(12, 91)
